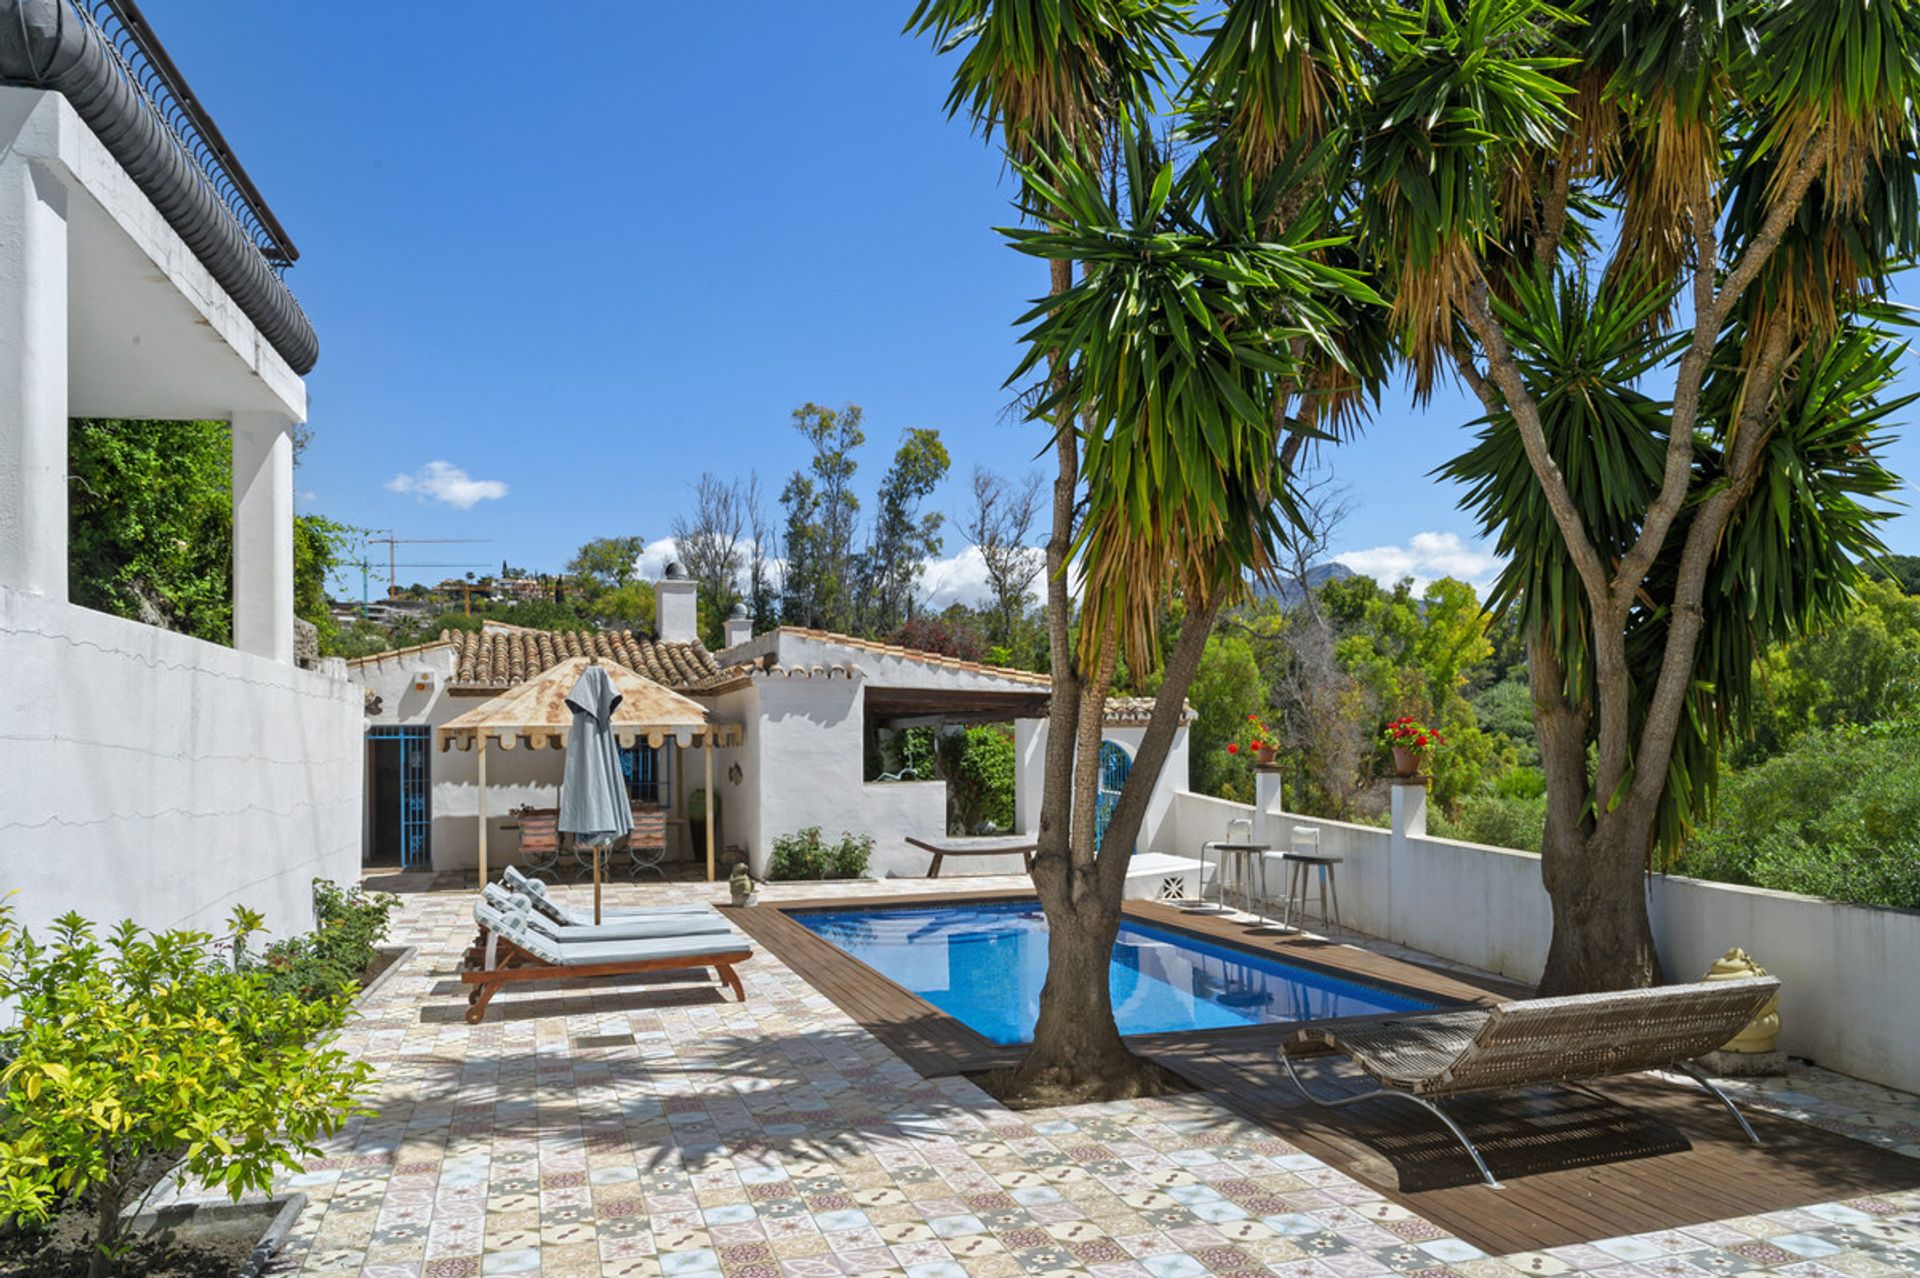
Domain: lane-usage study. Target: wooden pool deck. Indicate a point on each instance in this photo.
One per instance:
(1577, 1164)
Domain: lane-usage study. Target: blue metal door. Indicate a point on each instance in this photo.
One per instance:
(404, 748)
(1115, 764)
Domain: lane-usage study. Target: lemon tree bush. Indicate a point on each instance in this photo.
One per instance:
(149, 1051)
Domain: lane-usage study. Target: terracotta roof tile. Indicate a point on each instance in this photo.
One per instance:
(502, 658)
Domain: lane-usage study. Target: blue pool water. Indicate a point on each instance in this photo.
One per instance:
(984, 966)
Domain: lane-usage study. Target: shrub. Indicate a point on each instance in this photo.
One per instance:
(350, 923)
(128, 1055)
(1837, 816)
(982, 779)
(1497, 820)
(804, 854)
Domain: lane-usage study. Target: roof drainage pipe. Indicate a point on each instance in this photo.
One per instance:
(52, 44)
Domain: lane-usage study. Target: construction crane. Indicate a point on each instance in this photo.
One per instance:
(392, 543)
(366, 569)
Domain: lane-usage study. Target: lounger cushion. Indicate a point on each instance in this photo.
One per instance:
(630, 928)
(571, 955)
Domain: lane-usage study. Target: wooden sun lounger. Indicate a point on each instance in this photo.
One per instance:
(508, 949)
(975, 847)
(1535, 1042)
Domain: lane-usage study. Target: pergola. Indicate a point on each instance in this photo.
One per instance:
(535, 714)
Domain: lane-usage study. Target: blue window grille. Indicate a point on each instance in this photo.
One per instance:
(647, 774)
(1115, 764)
(413, 744)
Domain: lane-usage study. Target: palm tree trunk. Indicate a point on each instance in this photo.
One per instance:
(1594, 871)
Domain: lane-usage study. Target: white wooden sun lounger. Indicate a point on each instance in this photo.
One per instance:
(627, 927)
(1533, 1042)
(511, 949)
(543, 901)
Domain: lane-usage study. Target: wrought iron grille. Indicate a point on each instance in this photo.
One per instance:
(144, 63)
(413, 744)
(1115, 764)
(645, 769)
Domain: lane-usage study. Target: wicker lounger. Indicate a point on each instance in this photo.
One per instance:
(510, 949)
(1534, 1042)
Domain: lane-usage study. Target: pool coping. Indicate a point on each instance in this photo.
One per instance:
(938, 1044)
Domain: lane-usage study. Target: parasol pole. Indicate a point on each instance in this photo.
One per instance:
(483, 809)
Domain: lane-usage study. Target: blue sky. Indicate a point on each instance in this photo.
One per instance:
(564, 258)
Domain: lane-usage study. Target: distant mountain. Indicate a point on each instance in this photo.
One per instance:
(1288, 592)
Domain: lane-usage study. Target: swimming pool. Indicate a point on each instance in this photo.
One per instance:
(984, 964)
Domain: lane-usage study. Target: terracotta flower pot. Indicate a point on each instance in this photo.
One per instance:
(1265, 756)
(1405, 762)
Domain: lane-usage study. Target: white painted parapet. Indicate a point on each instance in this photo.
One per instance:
(154, 776)
(1849, 1000)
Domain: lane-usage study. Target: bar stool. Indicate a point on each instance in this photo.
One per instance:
(1238, 857)
(1302, 860)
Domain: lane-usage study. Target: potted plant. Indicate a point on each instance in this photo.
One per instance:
(1260, 743)
(742, 886)
(1410, 740)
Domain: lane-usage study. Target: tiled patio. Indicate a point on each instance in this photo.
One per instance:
(656, 1129)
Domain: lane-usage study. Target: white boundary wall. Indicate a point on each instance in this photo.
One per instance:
(1851, 1000)
(153, 776)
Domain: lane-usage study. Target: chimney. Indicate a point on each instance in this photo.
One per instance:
(676, 607)
(738, 628)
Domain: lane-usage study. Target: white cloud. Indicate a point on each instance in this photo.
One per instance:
(444, 482)
(960, 578)
(1424, 557)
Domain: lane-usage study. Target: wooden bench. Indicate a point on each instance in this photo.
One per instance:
(1024, 847)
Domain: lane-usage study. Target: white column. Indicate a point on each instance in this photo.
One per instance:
(1270, 826)
(1410, 809)
(263, 535)
(33, 379)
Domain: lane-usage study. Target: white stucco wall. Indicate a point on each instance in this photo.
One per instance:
(1849, 1003)
(1159, 829)
(518, 777)
(157, 777)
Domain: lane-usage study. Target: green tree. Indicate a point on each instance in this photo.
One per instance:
(150, 532)
(150, 523)
(1168, 369)
(903, 538)
(1680, 434)
(1861, 669)
(1227, 688)
(823, 514)
(605, 564)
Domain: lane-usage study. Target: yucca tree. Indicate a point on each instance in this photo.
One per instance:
(1673, 492)
(1204, 306)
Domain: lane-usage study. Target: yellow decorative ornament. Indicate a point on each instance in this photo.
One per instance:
(1760, 1032)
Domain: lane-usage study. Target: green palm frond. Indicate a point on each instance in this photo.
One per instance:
(1178, 339)
(1458, 105)
(1845, 69)
(1048, 75)
(1791, 551)
(1284, 71)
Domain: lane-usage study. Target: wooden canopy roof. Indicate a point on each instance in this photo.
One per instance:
(536, 712)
